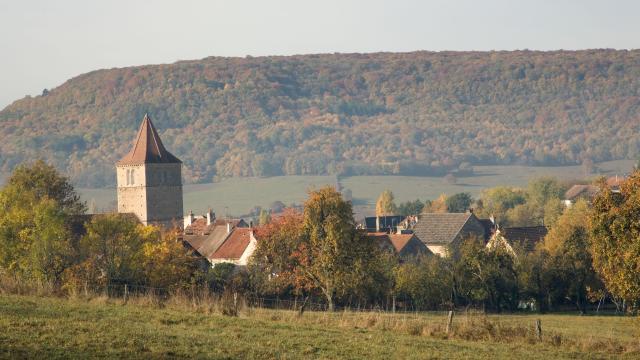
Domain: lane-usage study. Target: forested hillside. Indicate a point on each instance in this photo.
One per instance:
(386, 113)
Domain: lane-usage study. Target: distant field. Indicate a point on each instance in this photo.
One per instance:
(237, 195)
(50, 328)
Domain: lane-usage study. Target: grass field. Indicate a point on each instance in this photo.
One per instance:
(43, 327)
(237, 195)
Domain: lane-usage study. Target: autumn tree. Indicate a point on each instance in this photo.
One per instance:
(615, 246)
(44, 181)
(438, 205)
(35, 206)
(316, 251)
(280, 239)
(385, 204)
(568, 246)
(166, 262)
(110, 253)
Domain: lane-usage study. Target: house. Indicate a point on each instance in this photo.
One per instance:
(577, 192)
(404, 246)
(387, 223)
(408, 245)
(219, 240)
(438, 231)
(526, 238)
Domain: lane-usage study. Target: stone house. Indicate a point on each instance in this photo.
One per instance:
(439, 231)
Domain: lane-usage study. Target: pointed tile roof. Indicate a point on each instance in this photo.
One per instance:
(148, 147)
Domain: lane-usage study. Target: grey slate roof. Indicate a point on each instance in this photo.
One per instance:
(440, 228)
(528, 237)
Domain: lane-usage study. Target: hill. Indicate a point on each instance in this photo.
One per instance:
(420, 113)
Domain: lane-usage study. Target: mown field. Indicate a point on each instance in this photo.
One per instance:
(237, 195)
(41, 327)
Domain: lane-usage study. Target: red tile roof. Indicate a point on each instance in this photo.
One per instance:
(399, 241)
(235, 244)
(148, 147)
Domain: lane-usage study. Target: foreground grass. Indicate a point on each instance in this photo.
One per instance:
(37, 327)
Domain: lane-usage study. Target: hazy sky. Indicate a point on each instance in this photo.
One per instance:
(45, 42)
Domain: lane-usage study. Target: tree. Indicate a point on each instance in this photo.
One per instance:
(272, 266)
(543, 189)
(485, 276)
(498, 200)
(110, 253)
(385, 204)
(459, 202)
(568, 246)
(411, 208)
(615, 246)
(438, 205)
(45, 181)
(264, 217)
(166, 262)
(318, 251)
(35, 241)
(333, 254)
(424, 282)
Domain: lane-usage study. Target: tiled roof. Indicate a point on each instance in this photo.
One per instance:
(440, 228)
(399, 241)
(207, 239)
(587, 191)
(235, 244)
(615, 181)
(148, 147)
(528, 237)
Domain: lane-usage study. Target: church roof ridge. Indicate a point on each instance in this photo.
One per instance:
(148, 148)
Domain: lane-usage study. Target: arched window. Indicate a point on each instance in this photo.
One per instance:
(128, 176)
(132, 177)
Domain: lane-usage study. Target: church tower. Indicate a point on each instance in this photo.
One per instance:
(150, 180)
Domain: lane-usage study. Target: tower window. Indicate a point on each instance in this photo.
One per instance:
(132, 177)
(128, 176)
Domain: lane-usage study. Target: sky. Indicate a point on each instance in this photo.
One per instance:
(44, 43)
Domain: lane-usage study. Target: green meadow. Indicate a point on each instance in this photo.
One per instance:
(53, 328)
(236, 196)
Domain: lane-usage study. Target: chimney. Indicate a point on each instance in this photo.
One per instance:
(188, 220)
(228, 227)
(210, 217)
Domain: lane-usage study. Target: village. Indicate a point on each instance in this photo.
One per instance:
(150, 187)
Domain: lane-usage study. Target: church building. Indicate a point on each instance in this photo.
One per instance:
(150, 180)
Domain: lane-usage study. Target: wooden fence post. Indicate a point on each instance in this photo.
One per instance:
(449, 321)
(126, 292)
(539, 329)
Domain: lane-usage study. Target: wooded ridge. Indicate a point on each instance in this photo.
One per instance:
(419, 113)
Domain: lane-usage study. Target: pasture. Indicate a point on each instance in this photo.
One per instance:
(46, 327)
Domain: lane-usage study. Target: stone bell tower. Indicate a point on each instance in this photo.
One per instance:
(150, 180)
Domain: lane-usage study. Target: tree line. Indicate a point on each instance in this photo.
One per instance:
(590, 255)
